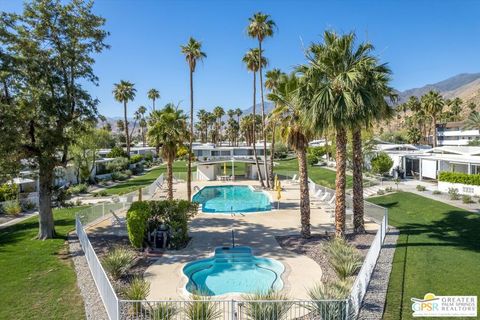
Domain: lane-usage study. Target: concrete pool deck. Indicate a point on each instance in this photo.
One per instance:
(257, 230)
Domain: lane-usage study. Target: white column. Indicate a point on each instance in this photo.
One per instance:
(469, 168)
(420, 168)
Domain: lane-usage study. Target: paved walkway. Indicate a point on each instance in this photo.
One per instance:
(257, 230)
(18, 220)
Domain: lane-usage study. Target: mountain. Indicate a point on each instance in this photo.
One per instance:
(465, 86)
(268, 107)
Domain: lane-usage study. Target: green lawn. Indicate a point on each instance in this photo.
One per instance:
(438, 251)
(146, 179)
(38, 280)
(319, 175)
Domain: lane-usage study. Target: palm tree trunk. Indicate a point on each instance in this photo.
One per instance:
(304, 193)
(254, 129)
(272, 155)
(170, 179)
(340, 182)
(127, 136)
(434, 138)
(189, 168)
(358, 209)
(263, 118)
(153, 100)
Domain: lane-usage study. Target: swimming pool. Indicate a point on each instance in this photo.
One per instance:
(233, 270)
(227, 199)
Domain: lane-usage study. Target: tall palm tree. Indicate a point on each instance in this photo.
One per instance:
(433, 104)
(456, 108)
(371, 107)
(473, 121)
(260, 27)
(333, 77)
(193, 53)
(271, 83)
(253, 60)
(168, 126)
(123, 92)
(218, 112)
(202, 116)
(153, 94)
(238, 113)
(290, 115)
(142, 122)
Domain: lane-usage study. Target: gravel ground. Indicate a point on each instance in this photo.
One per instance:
(374, 301)
(312, 248)
(93, 303)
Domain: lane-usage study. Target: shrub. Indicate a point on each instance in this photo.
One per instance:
(117, 262)
(117, 152)
(79, 188)
(148, 156)
(201, 307)
(137, 169)
(467, 199)
(101, 193)
(12, 208)
(437, 192)
(388, 189)
(453, 193)
(312, 159)
(137, 218)
(381, 192)
(163, 311)
(8, 191)
(381, 163)
(119, 176)
(117, 164)
(266, 310)
(137, 289)
(128, 173)
(344, 258)
(421, 188)
(29, 205)
(136, 158)
(325, 295)
(458, 177)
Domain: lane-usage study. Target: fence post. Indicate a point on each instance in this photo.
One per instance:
(233, 308)
(118, 310)
(346, 309)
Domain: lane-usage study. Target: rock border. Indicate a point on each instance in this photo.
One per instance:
(373, 305)
(94, 308)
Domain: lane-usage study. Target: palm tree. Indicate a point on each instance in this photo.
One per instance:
(168, 127)
(290, 115)
(230, 113)
(143, 123)
(473, 121)
(329, 93)
(218, 112)
(153, 94)
(124, 92)
(253, 60)
(260, 27)
(456, 108)
(433, 103)
(238, 113)
(371, 106)
(271, 83)
(193, 52)
(202, 116)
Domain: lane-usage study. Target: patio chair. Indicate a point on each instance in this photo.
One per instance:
(318, 202)
(318, 193)
(116, 220)
(294, 179)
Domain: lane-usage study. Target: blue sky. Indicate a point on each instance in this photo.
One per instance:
(423, 41)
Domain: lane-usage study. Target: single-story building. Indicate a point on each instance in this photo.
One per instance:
(229, 169)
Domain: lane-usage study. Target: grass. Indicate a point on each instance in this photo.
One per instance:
(38, 280)
(438, 251)
(319, 175)
(145, 179)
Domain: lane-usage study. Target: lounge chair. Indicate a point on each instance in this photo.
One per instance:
(294, 179)
(318, 193)
(116, 220)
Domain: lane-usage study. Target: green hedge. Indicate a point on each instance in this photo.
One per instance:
(458, 177)
(137, 223)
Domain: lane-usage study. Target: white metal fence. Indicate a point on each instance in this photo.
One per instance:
(205, 308)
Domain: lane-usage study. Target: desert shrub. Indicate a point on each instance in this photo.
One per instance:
(119, 176)
(8, 191)
(381, 163)
(29, 205)
(101, 193)
(344, 258)
(437, 192)
(137, 223)
(381, 192)
(459, 177)
(325, 296)
(280, 150)
(164, 311)
(137, 289)
(467, 199)
(117, 164)
(136, 158)
(453, 193)
(421, 188)
(79, 188)
(271, 310)
(201, 307)
(117, 262)
(12, 208)
(137, 169)
(312, 159)
(388, 189)
(148, 156)
(128, 173)
(117, 152)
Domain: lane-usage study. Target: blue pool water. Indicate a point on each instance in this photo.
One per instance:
(226, 199)
(233, 270)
